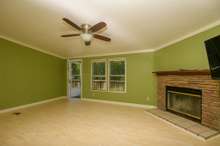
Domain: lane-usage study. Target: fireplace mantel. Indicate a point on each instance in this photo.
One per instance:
(183, 72)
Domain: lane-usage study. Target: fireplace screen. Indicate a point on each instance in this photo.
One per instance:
(184, 101)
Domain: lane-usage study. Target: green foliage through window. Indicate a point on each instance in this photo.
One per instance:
(75, 69)
(117, 67)
(99, 68)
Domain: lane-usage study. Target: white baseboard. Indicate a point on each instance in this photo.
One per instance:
(120, 103)
(31, 104)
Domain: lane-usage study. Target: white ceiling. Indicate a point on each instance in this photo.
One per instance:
(140, 25)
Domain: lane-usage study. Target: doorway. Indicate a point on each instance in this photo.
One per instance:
(75, 79)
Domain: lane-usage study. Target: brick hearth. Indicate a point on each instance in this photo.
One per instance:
(210, 93)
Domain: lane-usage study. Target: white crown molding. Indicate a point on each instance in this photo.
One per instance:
(120, 103)
(31, 104)
(114, 54)
(203, 29)
(30, 46)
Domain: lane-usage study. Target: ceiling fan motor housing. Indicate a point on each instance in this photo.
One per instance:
(86, 34)
(85, 28)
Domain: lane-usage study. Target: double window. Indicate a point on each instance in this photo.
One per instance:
(109, 75)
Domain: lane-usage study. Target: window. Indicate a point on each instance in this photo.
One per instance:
(113, 80)
(99, 80)
(117, 75)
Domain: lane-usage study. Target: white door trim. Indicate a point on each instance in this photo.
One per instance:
(69, 61)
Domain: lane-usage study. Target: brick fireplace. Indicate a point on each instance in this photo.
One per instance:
(199, 80)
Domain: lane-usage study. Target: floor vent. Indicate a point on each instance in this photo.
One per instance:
(16, 113)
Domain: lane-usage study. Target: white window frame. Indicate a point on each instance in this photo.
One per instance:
(106, 74)
(109, 74)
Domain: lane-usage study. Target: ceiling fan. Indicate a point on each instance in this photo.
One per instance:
(87, 32)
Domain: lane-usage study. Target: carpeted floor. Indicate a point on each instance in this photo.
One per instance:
(81, 123)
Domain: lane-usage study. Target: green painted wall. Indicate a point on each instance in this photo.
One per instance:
(27, 76)
(187, 54)
(140, 80)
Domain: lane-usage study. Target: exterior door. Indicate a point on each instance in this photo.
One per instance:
(75, 79)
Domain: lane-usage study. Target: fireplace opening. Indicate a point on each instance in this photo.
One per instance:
(185, 102)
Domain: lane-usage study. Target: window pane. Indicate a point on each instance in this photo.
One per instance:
(117, 76)
(117, 85)
(75, 69)
(76, 78)
(75, 75)
(98, 76)
(76, 83)
(117, 67)
(99, 68)
(99, 85)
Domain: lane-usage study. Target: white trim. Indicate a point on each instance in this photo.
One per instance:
(117, 53)
(98, 60)
(203, 29)
(31, 47)
(31, 104)
(180, 128)
(120, 103)
(81, 78)
(67, 78)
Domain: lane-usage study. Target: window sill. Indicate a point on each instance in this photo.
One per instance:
(119, 92)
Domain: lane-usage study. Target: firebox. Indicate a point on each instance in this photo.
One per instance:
(185, 102)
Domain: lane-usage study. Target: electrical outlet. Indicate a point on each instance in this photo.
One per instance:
(147, 98)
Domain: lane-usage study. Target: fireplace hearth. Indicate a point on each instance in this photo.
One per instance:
(186, 102)
(208, 89)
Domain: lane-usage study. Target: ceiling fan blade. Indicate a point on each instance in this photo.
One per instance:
(70, 35)
(101, 37)
(97, 27)
(72, 24)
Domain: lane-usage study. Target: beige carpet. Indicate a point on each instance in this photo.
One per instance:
(64, 123)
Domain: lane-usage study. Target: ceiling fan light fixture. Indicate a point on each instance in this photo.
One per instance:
(87, 32)
(87, 37)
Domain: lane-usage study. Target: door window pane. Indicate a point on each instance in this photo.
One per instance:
(75, 69)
